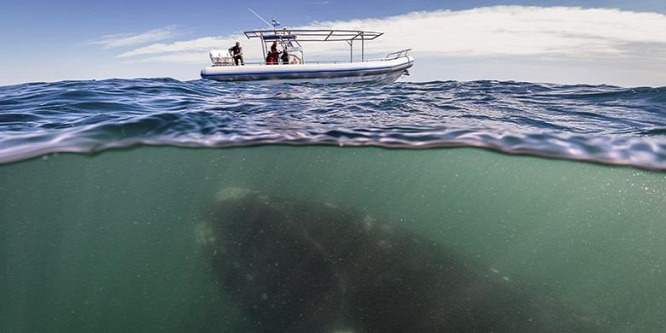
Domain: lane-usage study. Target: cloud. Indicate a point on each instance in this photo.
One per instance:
(118, 40)
(189, 58)
(199, 44)
(516, 31)
(482, 32)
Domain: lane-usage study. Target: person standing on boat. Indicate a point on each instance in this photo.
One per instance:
(272, 58)
(236, 52)
(285, 57)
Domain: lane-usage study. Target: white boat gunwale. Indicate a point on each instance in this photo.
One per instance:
(303, 71)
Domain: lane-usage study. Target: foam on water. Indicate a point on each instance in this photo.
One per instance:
(593, 123)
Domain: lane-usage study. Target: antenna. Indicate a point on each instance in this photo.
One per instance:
(261, 18)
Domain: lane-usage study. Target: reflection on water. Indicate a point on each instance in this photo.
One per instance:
(455, 238)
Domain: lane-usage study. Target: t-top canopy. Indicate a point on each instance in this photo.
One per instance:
(313, 35)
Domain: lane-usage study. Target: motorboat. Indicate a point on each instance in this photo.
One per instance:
(297, 69)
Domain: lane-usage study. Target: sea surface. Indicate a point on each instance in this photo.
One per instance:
(110, 196)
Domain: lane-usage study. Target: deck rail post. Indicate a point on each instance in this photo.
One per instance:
(362, 47)
(263, 47)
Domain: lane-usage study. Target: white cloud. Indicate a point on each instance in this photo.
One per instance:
(515, 30)
(484, 32)
(199, 44)
(118, 40)
(190, 58)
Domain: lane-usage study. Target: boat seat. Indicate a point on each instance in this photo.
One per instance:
(220, 58)
(294, 49)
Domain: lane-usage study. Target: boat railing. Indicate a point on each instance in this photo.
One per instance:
(261, 63)
(397, 54)
(352, 62)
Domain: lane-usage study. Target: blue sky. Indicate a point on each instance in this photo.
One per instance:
(59, 40)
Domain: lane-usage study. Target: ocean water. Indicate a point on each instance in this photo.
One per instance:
(158, 205)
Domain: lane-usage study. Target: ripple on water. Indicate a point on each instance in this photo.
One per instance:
(582, 122)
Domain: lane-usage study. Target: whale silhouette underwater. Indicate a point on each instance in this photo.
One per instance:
(293, 266)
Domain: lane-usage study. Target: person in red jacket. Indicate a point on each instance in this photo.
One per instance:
(272, 58)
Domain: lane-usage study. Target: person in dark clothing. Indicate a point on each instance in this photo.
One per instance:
(285, 57)
(236, 53)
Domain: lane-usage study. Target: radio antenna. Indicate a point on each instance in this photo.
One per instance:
(261, 18)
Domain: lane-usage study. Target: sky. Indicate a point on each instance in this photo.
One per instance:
(615, 42)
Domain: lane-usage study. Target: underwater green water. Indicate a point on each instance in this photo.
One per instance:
(107, 243)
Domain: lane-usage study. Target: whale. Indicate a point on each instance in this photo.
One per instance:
(298, 266)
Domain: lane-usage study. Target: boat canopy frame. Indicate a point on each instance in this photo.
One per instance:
(294, 36)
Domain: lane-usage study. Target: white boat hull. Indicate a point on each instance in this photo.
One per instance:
(384, 71)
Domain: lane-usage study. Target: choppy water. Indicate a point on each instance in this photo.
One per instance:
(134, 240)
(596, 123)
